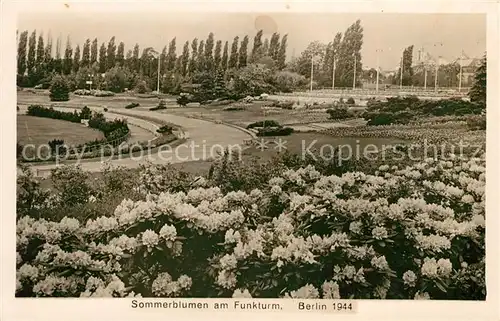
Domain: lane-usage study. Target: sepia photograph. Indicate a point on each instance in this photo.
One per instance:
(263, 155)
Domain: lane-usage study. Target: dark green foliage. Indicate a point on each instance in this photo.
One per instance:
(165, 129)
(40, 111)
(477, 93)
(401, 110)
(142, 88)
(350, 101)
(161, 105)
(275, 131)
(85, 113)
(57, 146)
(132, 105)
(59, 89)
(111, 129)
(183, 100)
(339, 113)
(270, 123)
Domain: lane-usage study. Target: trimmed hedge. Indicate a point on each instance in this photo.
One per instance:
(40, 111)
(165, 129)
(264, 123)
(275, 131)
(132, 105)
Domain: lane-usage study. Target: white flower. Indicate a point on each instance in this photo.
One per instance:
(430, 268)
(149, 238)
(226, 279)
(330, 290)
(185, 281)
(28, 271)
(232, 236)
(379, 233)
(228, 262)
(355, 227)
(444, 267)
(308, 291)
(409, 278)
(380, 263)
(464, 265)
(168, 232)
(241, 293)
(422, 296)
(468, 199)
(383, 168)
(275, 190)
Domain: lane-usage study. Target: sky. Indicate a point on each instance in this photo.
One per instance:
(445, 35)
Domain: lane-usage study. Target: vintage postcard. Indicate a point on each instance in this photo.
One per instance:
(238, 160)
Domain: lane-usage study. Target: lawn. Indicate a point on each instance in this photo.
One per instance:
(39, 131)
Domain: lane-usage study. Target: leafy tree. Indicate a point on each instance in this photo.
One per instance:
(233, 58)
(48, 49)
(281, 58)
(120, 54)
(183, 100)
(40, 53)
(68, 58)
(116, 79)
(253, 80)
(163, 60)
(58, 48)
(194, 51)
(331, 55)
(185, 58)
(314, 50)
(142, 87)
(274, 46)
(287, 81)
(209, 56)
(86, 54)
(76, 59)
(59, 90)
(224, 59)
(111, 54)
(102, 58)
(200, 62)
(135, 59)
(171, 56)
(477, 93)
(265, 47)
(217, 55)
(31, 53)
(93, 52)
(243, 53)
(407, 67)
(85, 113)
(349, 55)
(21, 53)
(257, 50)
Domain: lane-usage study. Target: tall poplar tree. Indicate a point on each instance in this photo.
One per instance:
(281, 56)
(120, 54)
(76, 59)
(68, 57)
(86, 54)
(233, 57)
(31, 53)
(193, 66)
(93, 52)
(111, 54)
(225, 56)
(21, 52)
(102, 58)
(209, 56)
(217, 54)
(172, 55)
(185, 58)
(257, 50)
(243, 53)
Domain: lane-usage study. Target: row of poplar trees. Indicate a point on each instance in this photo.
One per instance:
(36, 61)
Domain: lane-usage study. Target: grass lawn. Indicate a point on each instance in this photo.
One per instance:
(39, 131)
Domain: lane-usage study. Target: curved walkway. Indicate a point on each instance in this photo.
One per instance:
(205, 140)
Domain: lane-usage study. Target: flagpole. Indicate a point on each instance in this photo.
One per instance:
(354, 79)
(312, 74)
(460, 74)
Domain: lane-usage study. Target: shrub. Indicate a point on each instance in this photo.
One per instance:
(350, 101)
(142, 88)
(40, 111)
(165, 129)
(59, 89)
(233, 108)
(275, 131)
(161, 105)
(85, 113)
(284, 238)
(339, 113)
(183, 100)
(105, 109)
(103, 93)
(476, 122)
(132, 105)
(17, 108)
(266, 123)
(57, 146)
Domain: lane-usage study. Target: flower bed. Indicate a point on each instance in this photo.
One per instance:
(402, 233)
